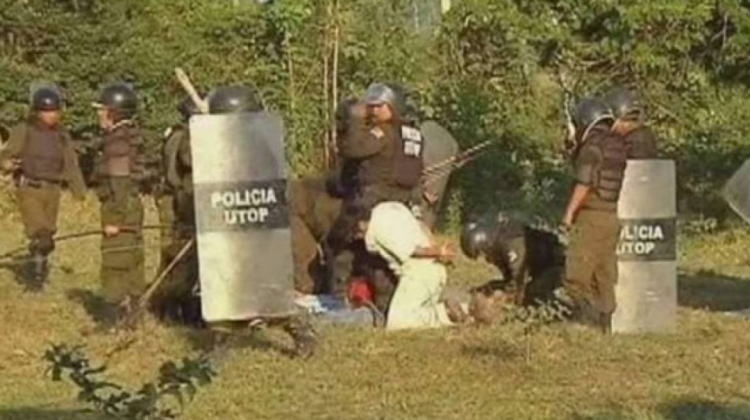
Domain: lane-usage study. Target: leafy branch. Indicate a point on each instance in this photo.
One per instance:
(179, 383)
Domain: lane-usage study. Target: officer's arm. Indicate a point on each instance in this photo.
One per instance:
(586, 165)
(363, 142)
(12, 149)
(73, 173)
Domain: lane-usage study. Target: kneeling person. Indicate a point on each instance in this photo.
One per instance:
(530, 259)
(397, 236)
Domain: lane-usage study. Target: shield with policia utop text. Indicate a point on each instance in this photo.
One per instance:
(439, 147)
(647, 253)
(737, 191)
(244, 239)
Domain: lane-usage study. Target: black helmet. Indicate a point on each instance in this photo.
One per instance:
(623, 103)
(46, 99)
(475, 238)
(119, 98)
(590, 111)
(187, 108)
(233, 99)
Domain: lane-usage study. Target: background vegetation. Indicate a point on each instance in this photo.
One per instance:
(488, 69)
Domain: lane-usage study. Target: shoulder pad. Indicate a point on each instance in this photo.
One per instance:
(377, 132)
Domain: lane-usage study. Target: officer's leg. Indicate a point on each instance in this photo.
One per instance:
(580, 264)
(165, 204)
(519, 267)
(33, 206)
(304, 251)
(122, 267)
(606, 278)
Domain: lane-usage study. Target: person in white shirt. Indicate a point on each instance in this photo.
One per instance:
(418, 261)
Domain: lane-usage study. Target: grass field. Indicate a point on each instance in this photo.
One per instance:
(560, 372)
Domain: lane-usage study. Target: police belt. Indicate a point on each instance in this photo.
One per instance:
(24, 181)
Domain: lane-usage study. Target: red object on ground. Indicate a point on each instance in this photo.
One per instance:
(360, 291)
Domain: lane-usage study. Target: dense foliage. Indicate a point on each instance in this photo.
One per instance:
(489, 69)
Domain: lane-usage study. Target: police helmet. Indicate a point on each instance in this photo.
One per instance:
(475, 238)
(623, 103)
(46, 99)
(391, 95)
(590, 111)
(120, 98)
(234, 99)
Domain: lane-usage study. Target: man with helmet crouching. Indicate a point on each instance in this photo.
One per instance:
(530, 259)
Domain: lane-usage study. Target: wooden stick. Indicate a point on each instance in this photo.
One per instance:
(184, 80)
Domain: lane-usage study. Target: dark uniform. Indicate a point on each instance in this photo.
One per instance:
(313, 210)
(387, 158)
(591, 263)
(641, 143)
(44, 159)
(177, 299)
(121, 170)
(530, 258)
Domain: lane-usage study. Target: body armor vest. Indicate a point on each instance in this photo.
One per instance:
(43, 155)
(122, 152)
(611, 171)
(407, 159)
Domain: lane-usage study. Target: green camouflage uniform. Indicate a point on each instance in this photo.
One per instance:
(121, 167)
(591, 261)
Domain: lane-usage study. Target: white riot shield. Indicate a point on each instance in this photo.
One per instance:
(737, 191)
(647, 283)
(244, 239)
(439, 146)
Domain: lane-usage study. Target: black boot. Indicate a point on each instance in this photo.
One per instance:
(305, 339)
(35, 273)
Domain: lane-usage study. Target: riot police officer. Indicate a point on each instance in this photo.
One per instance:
(386, 149)
(389, 150)
(628, 112)
(41, 155)
(239, 99)
(177, 298)
(600, 160)
(120, 174)
(530, 258)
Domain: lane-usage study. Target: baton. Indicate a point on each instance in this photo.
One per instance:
(459, 159)
(186, 84)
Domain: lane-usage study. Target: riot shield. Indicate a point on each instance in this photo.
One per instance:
(244, 238)
(440, 146)
(737, 191)
(647, 280)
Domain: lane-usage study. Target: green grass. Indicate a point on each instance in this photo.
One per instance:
(561, 372)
